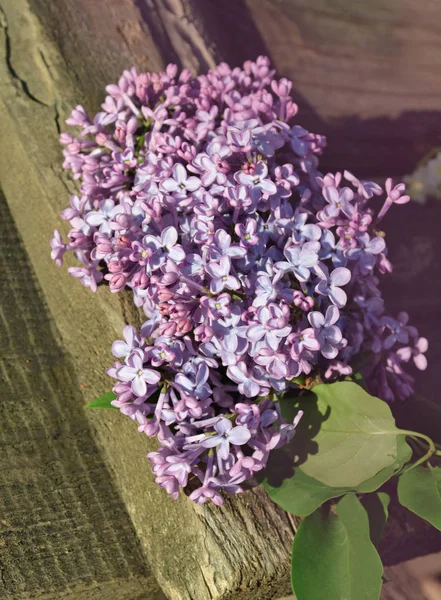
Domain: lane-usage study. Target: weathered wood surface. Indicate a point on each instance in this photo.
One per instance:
(57, 54)
(64, 530)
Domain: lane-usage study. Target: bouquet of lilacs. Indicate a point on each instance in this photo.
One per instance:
(257, 273)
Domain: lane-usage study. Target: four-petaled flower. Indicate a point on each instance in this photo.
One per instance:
(225, 435)
(331, 284)
(300, 260)
(366, 252)
(257, 182)
(137, 375)
(180, 184)
(220, 274)
(163, 247)
(101, 218)
(339, 201)
(326, 332)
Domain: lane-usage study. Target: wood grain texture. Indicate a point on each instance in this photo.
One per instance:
(55, 55)
(367, 74)
(63, 526)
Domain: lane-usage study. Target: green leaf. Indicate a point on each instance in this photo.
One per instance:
(333, 557)
(419, 490)
(356, 436)
(404, 454)
(377, 508)
(103, 401)
(300, 494)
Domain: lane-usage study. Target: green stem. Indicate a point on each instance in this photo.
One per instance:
(432, 449)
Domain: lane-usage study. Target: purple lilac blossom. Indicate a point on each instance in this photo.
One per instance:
(203, 195)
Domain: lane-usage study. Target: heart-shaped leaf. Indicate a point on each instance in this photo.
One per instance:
(404, 454)
(300, 494)
(419, 490)
(333, 556)
(103, 401)
(352, 435)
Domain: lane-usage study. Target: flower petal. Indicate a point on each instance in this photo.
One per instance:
(120, 349)
(126, 373)
(223, 426)
(169, 237)
(169, 185)
(316, 319)
(179, 173)
(338, 297)
(340, 276)
(239, 435)
(192, 184)
(139, 386)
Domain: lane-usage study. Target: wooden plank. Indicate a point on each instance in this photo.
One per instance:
(367, 73)
(54, 56)
(63, 526)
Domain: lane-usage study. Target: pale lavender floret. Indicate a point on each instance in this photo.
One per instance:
(179, 467)
(101, 218)
(239, 374)
(299, 140)
(367, 189)
(135, 373)
(220, 276)
(338, 201)
(180, 183)
(300, 260)
(193, 381)
(226, 435)
(120, 348)
(330, 284)
(269, 326)
(327, 333)
(394, 196)
(222, 246)
(257, 182)
(58, 248)
(329, 248)
(247, 232)
(207, 169)
(367, 251)
(89, 276)
(303, 231)
(164, 247)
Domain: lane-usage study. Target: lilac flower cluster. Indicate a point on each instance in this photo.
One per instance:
(255, 270)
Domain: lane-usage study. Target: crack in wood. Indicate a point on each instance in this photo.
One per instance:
(8, 56)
